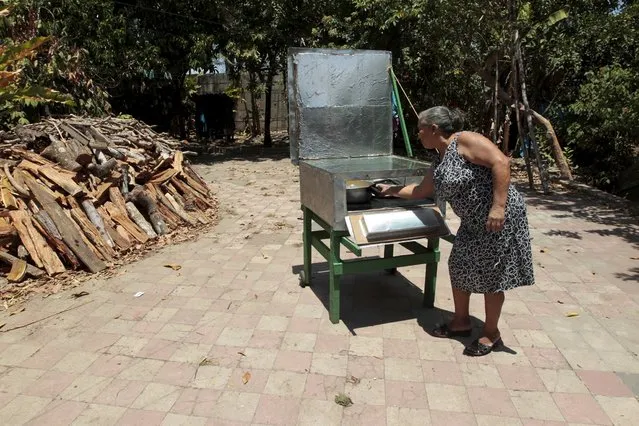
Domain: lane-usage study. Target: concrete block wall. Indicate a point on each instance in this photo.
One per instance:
(220, 83)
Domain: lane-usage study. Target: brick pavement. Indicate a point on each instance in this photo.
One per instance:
(180, 354)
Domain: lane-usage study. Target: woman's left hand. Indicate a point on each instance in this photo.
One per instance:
(496, 219)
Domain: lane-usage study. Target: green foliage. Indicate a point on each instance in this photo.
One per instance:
(17, 95)
(47, 74)
(604, 128)
(581, 58)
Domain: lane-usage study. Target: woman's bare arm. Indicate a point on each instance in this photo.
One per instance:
(479, 150)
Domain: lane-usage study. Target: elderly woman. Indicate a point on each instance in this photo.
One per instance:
(491, 252)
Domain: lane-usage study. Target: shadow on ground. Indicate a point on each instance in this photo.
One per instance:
(376, 298)
(249, 153)
(617, 218)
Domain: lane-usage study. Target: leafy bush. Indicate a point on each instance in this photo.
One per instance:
(604, 129)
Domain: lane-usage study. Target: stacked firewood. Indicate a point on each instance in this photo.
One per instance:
(76, 193)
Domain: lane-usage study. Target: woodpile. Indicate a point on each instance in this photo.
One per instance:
(77, 193)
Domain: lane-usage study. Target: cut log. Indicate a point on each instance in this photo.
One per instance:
(188, 170)
(35, 243)
(139, 220)
(70, 234)
(33, 157)
(96, 220)
(18, 271)
(31, 270)
(122, 219)
(101, 192)
(90, 231)
(111, 227)
(125, 235)
(163, 176)
(75, 134)
(122, 242)
(103, 170)
(7, 230)
(116, 153)
(19, 188)
(177, 195)
(17, 218)
(143, 200)
(51, 233)
(125, 179)
(171, 219)
(204, 191)
(99, 137)
(181, 212)
(8, 200)
(116, 198)
(193, 200)
(59, 152)
(178, 159)
(63, 181)
(91, 239)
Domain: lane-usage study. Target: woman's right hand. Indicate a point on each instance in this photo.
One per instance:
(386, 190)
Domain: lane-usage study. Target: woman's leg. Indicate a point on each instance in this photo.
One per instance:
(493, 305)
(461, 319)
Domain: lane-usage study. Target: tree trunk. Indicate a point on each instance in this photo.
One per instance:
(543, 174)
(268, 95)
(496, 105)
(255, 110)
(506, 140)
(560, 159)
(520, 127)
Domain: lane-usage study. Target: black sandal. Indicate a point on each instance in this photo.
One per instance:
(443, 331)
(479, 349)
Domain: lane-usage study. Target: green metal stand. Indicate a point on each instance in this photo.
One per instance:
(337, 267)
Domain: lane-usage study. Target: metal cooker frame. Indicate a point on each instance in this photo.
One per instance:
(325, 109)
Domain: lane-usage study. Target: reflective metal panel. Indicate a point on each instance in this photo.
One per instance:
(339, 103)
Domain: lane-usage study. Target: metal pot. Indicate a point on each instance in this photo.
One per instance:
(360, 191)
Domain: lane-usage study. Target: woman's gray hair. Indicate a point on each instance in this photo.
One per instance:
(449, 121)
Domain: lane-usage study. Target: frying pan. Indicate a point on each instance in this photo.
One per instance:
(359, 191)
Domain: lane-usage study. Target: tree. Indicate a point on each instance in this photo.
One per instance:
(17, 93)
(258, 36)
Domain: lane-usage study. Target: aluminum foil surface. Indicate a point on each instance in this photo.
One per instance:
(339, 103)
